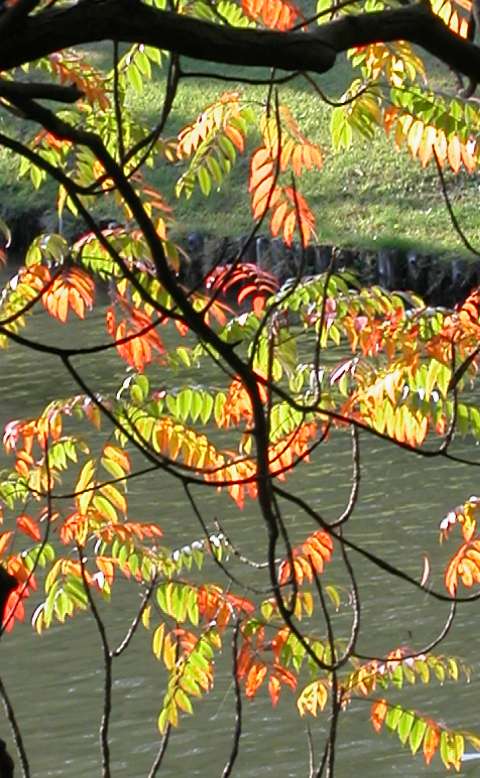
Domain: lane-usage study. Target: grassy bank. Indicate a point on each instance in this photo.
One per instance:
(370, 195)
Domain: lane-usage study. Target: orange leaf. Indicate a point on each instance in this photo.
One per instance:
(278, 217)
(263, 196)
(289, 227)
(468, 155)
(72, 288)
(464, 565)
(308, 558)
(107, 567)
(28, 526)
(274, 688)
(5, 539)
(430, 743)
(276, 14)
(255, 678)
(241, 604)
(261, 165)
(425, 151)
(117, 455)
(415, 136)
(378, 713)
(454, 154)
(440, 146)
(235, 136)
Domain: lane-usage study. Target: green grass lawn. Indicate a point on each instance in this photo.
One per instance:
(370, 195)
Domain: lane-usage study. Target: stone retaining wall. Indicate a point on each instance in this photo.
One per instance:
(438, 280)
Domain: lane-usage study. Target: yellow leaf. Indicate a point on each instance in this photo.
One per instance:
(415, 136)
(84, 482)
(169, 652)
(313, 698)
(157, 642)
(146, 615)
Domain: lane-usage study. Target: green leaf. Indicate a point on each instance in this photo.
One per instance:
(215, 169)
(113, 468)
(105, 508)
(334, 595)
(184, 356)
(453, 670)
(163, 721)
(397, 677)
(416, 734)
(37, 176)
(184, 404)
(192, 607)
(393, 717)
(143, 64)
(443, 379)
(341, 131)
(178, 602)
(162, 597)
(140, 388)
(204, 181)
(433, 372)
(207, 408)
(421, 667)
(438, 668)
(196, 404)
(190, 685)
(475, 421)
(227, 148)
(220, 400)
(183, 702)
(405, 725)
(135, 78)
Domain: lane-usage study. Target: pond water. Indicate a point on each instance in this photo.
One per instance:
(55, 680)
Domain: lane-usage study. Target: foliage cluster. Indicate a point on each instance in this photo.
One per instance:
(294, 364)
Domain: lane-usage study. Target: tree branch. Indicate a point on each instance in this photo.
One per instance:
(32, 90)
(131, 21)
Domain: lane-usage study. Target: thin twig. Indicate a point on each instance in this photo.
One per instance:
(217, 561)
(335, 694)
(356, 475)
(107, 669)
(425, 649)
(227, 770)
(17, 735)
(455, 223)
(373, 558)
(157, 762)
(118, 105)
(311, 753)
(123, 645)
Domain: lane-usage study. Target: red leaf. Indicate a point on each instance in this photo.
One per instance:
(28, 526)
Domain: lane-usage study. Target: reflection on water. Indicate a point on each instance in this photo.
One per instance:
(56, 680)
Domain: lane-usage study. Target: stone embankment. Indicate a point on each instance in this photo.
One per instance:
(440, 281)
